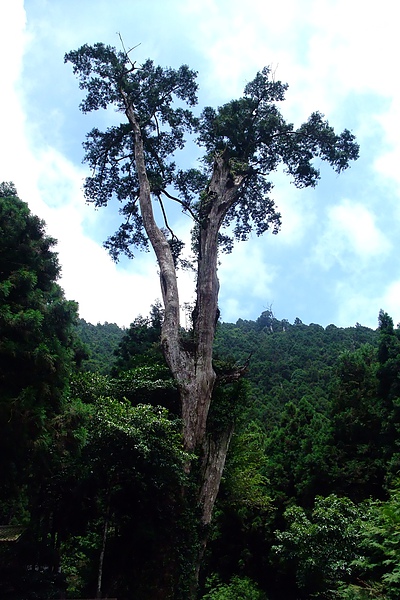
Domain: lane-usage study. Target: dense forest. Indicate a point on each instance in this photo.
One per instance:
(224, 197)
(93, 465)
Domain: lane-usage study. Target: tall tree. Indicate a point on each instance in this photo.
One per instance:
(37, 351)
(36, 341)
(244, 141)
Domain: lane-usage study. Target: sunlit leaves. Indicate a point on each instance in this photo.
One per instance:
(123, 435)
(323, 545)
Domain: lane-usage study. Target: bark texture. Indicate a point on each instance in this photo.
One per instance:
(193, 369)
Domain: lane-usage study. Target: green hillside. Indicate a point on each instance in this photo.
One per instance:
(95, 493)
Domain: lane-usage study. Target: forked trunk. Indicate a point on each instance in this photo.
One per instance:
(193, 369)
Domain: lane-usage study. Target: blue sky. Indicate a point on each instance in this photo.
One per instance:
(337, 257)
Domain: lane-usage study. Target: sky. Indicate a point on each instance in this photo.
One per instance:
(337, 257)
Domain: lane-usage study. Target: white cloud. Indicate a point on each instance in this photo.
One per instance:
(334, 54)
(52, 187)
(238, 40)
(297, 209)
(325, 49)
(390, 301)
(355, 305)
(387, 162)
(351, 237)
(13, 20)
(246, 280)
(356, 43)
(12, 40)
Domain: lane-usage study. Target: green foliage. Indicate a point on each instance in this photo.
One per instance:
(132, 468)
(320, 418)
(315, 422)
(129, 475)
(145, 431)
(239, 588)
(88, 386)
(244, 482)
(296, 454)
(322, 546)
(288, 361)
(244, 510)
(389, 360)
(101, 341)
(331, 398)
(140, 344)
(359, 449)
(150, 384)
(76, 558)
(228, 402)
(249, 131)
(377, 570)
(38, 345)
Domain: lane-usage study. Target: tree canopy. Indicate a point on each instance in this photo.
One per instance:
(250, 133)
(38, 345)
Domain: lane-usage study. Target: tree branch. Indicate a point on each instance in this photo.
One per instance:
(128, 51)
(178, 359)
(165, 217)
(235, 373)
(185, 205)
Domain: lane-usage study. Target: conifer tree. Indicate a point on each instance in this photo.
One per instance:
(37, 344)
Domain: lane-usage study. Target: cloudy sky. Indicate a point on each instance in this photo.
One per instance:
(337, 258)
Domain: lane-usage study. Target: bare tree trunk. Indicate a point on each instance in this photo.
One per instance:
(103, 550)
(193, 370)
(214, 455)
(215, 451)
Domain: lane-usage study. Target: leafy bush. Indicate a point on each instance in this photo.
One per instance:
(239, 588)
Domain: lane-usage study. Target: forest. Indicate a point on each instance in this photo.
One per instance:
(93, 467)
(255, 460)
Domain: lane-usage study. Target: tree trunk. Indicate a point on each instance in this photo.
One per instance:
(193, 370)
(103, 549)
